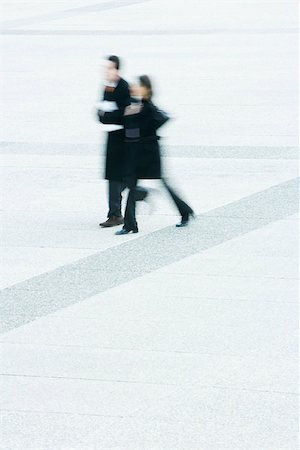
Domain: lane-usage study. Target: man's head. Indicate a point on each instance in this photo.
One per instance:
(111, 68)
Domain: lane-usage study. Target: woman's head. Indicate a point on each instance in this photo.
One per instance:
(143, 88)
(146, 87)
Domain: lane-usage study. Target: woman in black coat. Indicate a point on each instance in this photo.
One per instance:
(142, 153)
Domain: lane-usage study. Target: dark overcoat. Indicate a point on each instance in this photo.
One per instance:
(115, 139)
(142, 151)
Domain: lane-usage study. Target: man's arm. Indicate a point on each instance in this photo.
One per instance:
(122, 100)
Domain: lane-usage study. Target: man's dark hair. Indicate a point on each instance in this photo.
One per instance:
(115, 60)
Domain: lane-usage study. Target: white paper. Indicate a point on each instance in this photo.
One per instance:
(107, 106)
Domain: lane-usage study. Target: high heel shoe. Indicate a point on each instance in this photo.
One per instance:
(185, 219)
(124, 231)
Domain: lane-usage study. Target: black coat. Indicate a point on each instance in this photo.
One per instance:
(142, 152)
(115, 139)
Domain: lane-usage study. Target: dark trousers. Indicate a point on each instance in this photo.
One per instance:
(115, 189)
(183, 208)
(129, 218)
(130, 222)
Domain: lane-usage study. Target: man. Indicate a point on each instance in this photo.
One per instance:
(115, 99)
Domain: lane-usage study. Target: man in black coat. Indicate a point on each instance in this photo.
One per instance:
(111, 110)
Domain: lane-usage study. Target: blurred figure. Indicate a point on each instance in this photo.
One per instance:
(142, 153)
(110, 112)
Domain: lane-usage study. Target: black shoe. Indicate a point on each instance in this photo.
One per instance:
(185, 219)
(124, 231)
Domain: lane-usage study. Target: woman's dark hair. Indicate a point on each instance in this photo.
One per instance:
(144, 81)
(115, 59)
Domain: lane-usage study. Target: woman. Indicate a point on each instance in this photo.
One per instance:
(142, 154)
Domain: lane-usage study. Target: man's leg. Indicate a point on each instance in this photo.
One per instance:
(114, 215)
(115, 189)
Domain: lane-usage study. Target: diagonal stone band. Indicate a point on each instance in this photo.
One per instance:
(49, 292)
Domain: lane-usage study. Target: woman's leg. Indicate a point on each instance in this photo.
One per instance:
(184, 209)
(141, 193)
(130, 223)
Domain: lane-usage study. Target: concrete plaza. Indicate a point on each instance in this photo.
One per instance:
(169, 339)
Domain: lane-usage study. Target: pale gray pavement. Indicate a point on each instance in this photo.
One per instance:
(172, 339)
